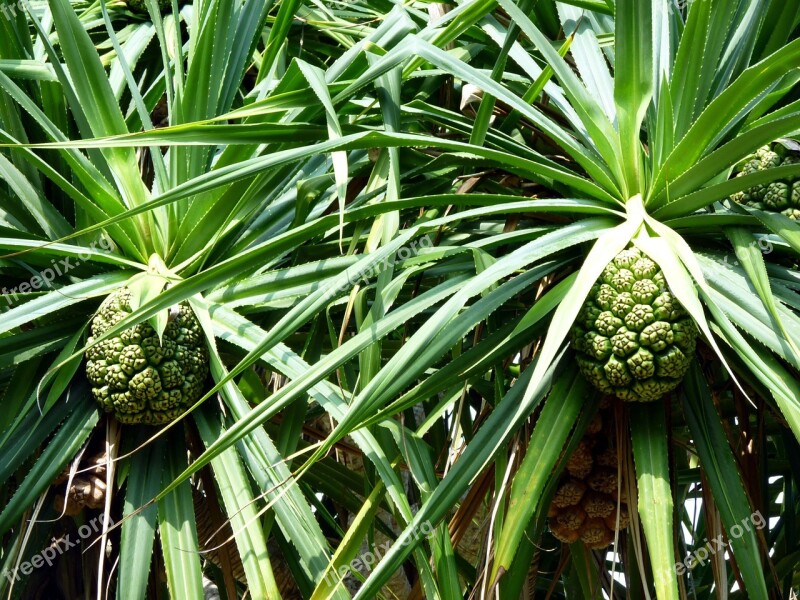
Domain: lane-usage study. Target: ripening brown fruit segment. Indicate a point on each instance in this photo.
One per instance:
(87, 487)
(584, 506)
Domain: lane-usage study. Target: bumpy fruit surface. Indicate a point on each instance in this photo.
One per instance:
(781, 196)
(140, 378)
(632, 337)
(585, 504)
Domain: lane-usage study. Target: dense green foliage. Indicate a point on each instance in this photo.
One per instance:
(381, 222)
(141, 5)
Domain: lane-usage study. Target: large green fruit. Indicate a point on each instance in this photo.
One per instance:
(781, 196)
(632, 338)
(139, 378)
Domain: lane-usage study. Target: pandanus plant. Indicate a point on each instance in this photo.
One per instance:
(130, 266)
(278, 213)
(651, 250)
